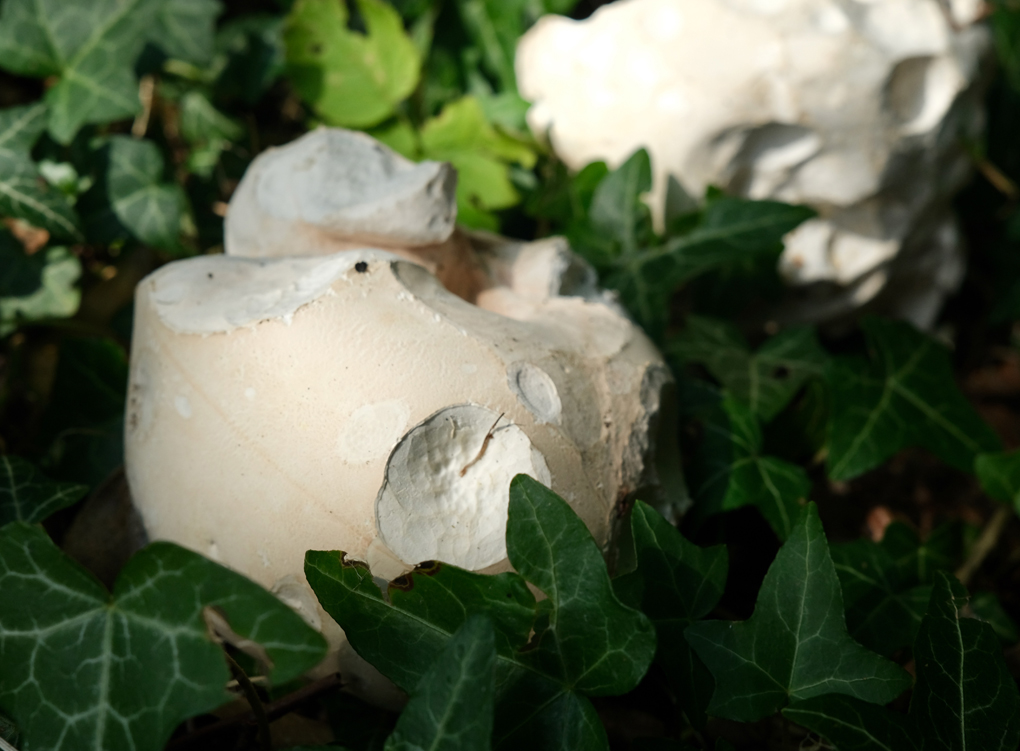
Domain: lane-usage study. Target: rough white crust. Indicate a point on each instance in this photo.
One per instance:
(857, 109)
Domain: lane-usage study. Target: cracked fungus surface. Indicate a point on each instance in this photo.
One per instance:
(447, 487)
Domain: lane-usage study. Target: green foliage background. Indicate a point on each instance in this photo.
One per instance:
(125, 126)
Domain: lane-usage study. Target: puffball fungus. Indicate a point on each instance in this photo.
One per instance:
(858, 109)
(282, 401)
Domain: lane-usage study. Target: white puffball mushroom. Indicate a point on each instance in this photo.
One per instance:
(349, 400)
(855, 108)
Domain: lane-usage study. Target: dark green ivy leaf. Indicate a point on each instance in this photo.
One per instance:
(186, 29)
(675, 584)
(586, 639)
(999, 474)
(24, 194)
(731, 471)
(986, 607)
(765, 380)
(795, 645)
(887, 584)
(730, 230)
(904, 395)
(90, 46)
(131, 199)
(965, 697)
(451, 709)
(27, 495)
(855, 725)
(83, 669)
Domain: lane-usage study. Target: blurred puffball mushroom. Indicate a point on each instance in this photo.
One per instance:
(307, 392)
(858, 109)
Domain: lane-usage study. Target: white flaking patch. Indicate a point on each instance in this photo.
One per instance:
(373, 430)
(428, 510)
(217, 294)
(249, 393)
(183, 406)
(535, 390)
(298, 596)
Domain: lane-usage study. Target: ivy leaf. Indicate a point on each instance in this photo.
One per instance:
(765, 380)
(586, 640)
(482, 155)
(986, 607)
(131, 199)
(83, 669)
(729, 230)
(451, 709)
(36, 287)
(855, 725)
(795, 645)
(27, 495)
(350, 79)
(90, 48)
(675, 584)
(999, 474)
(24, 194)
(600, 646)
(619, 219)
(965, 697)
(903, 396)
(887, 584)
(186, 29)
(732, 472)
(207, 130)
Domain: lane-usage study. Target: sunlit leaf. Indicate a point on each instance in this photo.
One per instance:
(350, 79)
(36, 287)
(482, 155)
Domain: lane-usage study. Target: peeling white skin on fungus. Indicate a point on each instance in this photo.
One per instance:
(447, 487)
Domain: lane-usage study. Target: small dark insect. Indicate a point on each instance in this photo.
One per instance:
(210, 275)
(361, 267)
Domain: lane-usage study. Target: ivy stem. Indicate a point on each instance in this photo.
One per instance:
(265, 742)
(985, 543)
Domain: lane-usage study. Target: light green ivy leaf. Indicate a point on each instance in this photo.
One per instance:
(904, 395)
(795, 645)
(27, 495)
(999, 475)
(765, 380)
(350, 79)
(482, 155)
(83, 669)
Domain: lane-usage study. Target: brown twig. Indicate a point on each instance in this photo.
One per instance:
(273, 710)
(985, 543)
(485, 445)
(252, 696)
(146, 93)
